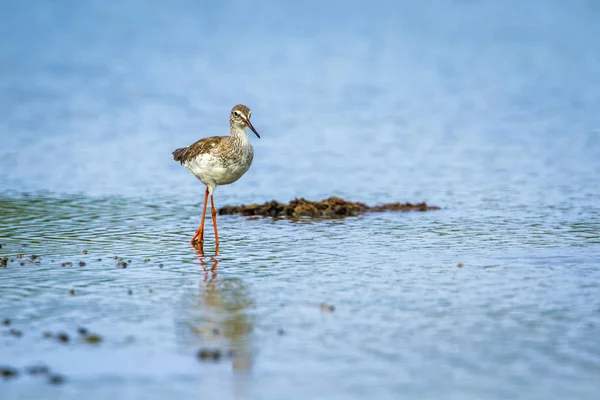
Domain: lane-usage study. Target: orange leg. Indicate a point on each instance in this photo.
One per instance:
(213, 211)
(198, 238)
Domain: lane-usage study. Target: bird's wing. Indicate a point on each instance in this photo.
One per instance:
(209, 145)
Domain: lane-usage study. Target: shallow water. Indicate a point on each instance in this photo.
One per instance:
(487, 111)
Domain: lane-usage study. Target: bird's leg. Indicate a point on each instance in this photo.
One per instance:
(213, 211)
(198, 238)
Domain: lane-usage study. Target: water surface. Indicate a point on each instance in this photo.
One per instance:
(485, 110)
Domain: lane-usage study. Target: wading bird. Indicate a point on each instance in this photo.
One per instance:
(219, 160)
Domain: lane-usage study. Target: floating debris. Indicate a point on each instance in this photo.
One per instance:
(56, 379)
(15, 332)
(146, 260)
(333, 207)
(93, 338)
(37, 370)
(160, 265)
(326, 307)
(459, 265)
(72, 292)
(81, 264)
(3, 261)
(8, 372)
(280, 332)
(63, 337)
(130, 292)
(84, 252)
(6, 322)
(209, 354)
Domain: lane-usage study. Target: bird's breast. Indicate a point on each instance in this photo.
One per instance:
(220, 168)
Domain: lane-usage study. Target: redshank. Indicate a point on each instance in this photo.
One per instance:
(219, 160)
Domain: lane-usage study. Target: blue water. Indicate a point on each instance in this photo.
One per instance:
(486, 109)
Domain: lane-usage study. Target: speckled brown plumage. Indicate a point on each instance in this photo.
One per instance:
(202, 146)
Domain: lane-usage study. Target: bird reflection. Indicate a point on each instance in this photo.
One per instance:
(220, 318)
(210, 268)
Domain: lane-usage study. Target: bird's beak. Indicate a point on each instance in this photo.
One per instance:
(249, 125)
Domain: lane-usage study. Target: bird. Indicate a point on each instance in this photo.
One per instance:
(219, 160)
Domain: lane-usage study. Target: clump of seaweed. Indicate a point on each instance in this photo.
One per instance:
(333, 207)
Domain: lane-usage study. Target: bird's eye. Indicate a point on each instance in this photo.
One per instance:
(237, 114)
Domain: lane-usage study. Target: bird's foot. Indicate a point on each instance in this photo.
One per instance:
(198, 240)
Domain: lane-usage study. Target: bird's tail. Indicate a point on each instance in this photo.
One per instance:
(180, 154)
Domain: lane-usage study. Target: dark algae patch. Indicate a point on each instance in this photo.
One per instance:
(34, 370)
(15, 332)
(326, 307)
(8, 372)
(62, 337)
(209, 354)
(333, 207)
(56, 379)
(92, 338)
(39, 369)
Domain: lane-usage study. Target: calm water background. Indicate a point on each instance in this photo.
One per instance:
(487, 109)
